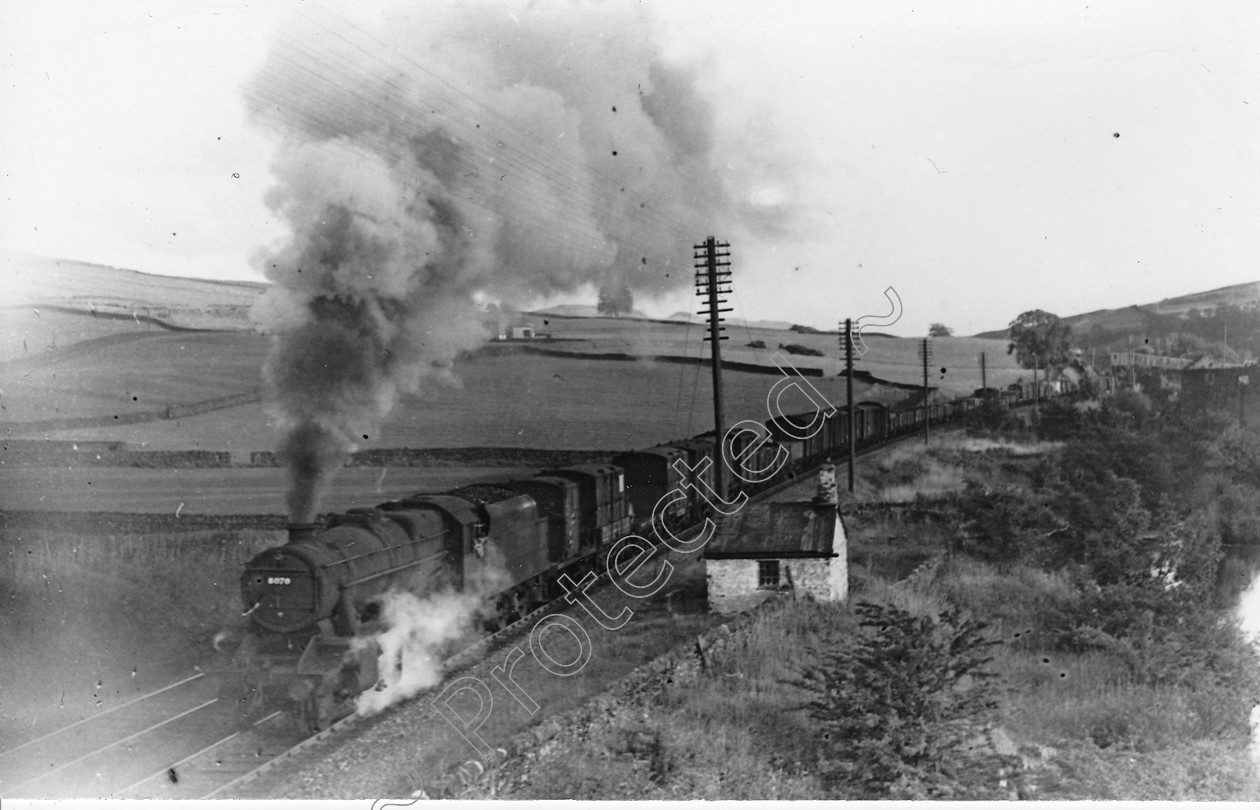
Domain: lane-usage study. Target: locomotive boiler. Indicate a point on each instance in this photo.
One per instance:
(314, 602)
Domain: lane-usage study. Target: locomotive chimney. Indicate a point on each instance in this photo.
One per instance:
(302, 532)
(826, 486)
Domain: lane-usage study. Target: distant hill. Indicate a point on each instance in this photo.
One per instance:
(1137, 317)
(591, 311)
(688, 316)
(585, 311)
(51, 304)
(101, 290)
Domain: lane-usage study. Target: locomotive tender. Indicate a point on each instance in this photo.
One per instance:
(314, 603)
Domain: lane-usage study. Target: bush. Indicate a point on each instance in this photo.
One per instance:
(757, 344)
(1014, 599)
(1060, 421)
(796, 348)
(993, 417)
(1129, 407)
(898, 709)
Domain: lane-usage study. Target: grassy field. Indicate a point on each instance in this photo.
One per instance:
(219, 491)
(92, 622)
(892, 359)
(27, 332)
(132, 372)
(57, 364)
(505, 401)
(33, 282)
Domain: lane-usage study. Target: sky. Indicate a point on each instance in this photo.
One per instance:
(981, 158)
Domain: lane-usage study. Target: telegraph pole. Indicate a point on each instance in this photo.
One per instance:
(984, 379)
(711, 281)
(1036, 388)
(848, 364)
(1243, 381)
(926, 352)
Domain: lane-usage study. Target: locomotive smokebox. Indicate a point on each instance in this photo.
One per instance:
(302, 532)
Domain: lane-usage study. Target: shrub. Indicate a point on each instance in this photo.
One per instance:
(898, 708)
(1129, 407)
(757, 344)
(796, 348)
(1015, 599)
(1060, 421)
(996, 525)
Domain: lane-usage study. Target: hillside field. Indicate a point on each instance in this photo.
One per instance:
(33, 282)
(219, 491)
(888, 358)
(509, 400)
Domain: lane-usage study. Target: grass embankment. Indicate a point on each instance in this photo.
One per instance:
(1103, 685)
(92, 621)
(1083, 725)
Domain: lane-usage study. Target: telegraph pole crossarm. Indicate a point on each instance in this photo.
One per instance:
(925, 352)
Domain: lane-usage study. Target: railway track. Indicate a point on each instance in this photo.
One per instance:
(222, 767)
(82, 755)
(181, 741)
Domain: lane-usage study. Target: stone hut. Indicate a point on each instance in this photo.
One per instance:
(799, 548)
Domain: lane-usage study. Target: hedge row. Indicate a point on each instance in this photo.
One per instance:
(454, 457)
(134, 418)
(132, 522)
(116, 454)
(85, 456)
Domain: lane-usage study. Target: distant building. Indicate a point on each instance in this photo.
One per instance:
(768, 549)
(1144, 360)
(524, 332)
(1207, 361)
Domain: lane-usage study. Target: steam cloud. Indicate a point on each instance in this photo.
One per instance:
(416, 630)
(454, 153)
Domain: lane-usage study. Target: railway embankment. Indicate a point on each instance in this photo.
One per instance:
(1083, 684)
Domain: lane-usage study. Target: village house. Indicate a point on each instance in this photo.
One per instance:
(797, 548)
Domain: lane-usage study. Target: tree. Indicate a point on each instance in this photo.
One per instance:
(894, 718)
(940, 330)
(615, 301)
(1040, 339)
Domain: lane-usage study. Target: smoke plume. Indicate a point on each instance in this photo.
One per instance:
(450, 153)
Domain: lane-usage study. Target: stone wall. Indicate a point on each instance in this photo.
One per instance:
(733, 583)
(811, 577)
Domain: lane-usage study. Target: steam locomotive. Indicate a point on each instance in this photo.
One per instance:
(315, 602)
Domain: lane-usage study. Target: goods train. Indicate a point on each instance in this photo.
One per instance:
(314, 604)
